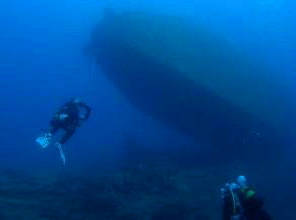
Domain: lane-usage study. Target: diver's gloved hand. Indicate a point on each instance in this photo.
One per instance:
(60, 148)
(63, 116)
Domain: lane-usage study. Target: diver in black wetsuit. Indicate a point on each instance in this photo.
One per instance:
(242, 203)
(69, 116)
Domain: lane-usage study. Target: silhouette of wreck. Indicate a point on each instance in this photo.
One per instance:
(189, 78)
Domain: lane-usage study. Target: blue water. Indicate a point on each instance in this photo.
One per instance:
(42, 65)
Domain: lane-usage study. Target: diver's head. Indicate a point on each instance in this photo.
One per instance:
(76, 100)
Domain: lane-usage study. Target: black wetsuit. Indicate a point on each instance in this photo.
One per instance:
(252, 208)
(72, 121)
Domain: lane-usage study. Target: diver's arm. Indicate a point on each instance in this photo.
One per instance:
(87, 110)
(61, 110)
(227, 209)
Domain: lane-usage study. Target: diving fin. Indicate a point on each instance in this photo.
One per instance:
(44, 140)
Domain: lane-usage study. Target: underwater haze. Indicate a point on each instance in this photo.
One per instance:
(123, 163)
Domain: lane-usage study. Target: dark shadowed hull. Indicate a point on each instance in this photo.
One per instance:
(189, 102)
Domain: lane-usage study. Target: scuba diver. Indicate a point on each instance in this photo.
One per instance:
(69, 116)
(242, 203)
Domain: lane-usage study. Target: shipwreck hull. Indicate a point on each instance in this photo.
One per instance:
(204, 89)
(175, 100)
